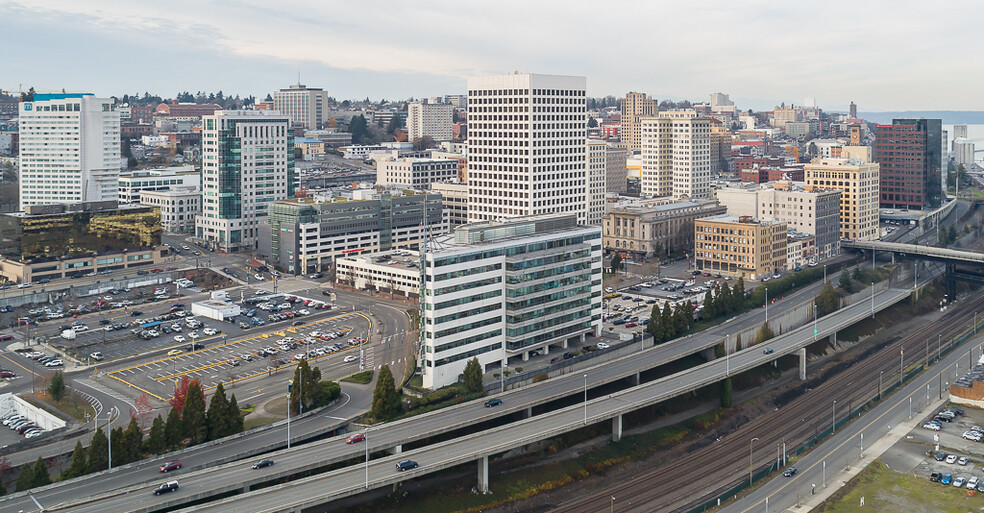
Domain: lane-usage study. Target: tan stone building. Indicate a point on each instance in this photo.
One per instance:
(858, 182)
(740, 246)
(639, 229)
(635, 106)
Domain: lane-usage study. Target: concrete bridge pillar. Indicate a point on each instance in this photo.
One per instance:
(245, 488)
(833, 339)
(635, 379)
(802, 367)
(483, 474)
(396, 450)
(617, 428)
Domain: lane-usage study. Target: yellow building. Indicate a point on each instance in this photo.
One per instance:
(858, 182)
(635, 106)
(740, 246)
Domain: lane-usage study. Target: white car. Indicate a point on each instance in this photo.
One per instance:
(258, 277)
(959, 482)
(209, 331)
(932, 427)
(972, 482)
(176, 327)
(952, 458)
(179, 338)
(351, 358)
(193, 335)
(304, 311)
(80, 327)
(54, 363)
(602, 345)
(972, 435)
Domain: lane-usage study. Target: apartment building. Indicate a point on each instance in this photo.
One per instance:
(740, 246)
(676, 155)
(132, 183)
(178, 207)
(498, 290)
(526, 146)
(635, 106)
(415, 173)
(454, 199)
(69, 149)
(643, 231)
(432, 120)
(305, 106)
(858, 182)
(247, 164)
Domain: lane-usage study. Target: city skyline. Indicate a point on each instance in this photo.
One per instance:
(783, 54)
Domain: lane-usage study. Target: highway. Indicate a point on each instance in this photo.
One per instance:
(951, 255)
(336, 484)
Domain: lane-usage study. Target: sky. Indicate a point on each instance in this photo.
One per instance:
(883, 55)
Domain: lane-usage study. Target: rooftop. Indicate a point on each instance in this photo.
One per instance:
(729, 218)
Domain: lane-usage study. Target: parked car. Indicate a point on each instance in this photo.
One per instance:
(959, 482)
(963, 460)
(947, 479)
(951, 458)
(174, 352)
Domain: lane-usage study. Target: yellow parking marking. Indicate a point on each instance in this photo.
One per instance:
(125, 382)
(189, 371)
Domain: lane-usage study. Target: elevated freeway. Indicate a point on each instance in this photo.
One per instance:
(950, 256)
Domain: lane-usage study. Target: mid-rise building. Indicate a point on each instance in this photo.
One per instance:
(963, 151)
(395, 272)
(303, 236)
(454, 198)
(597, 154)
(176, 109)
(526, 146)
(742, 246)
(909, 152)
(415, 173)
(616, 170)
(858, 183)
(60, 241)
(305, 106)
(676, 155)
(642, 231)
(432, 120)
(635, 106)
(132, 183)
(178, 207)
(247, 164)
(69, 149)
(498, 290)
(808, 210)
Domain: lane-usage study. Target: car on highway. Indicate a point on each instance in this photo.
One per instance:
(790, 472)
(169, 486)
(263, 463)
(171, 465)
(768, 350)
(356, 438)
(493, 402)
(602, 345)
(351, 358)
(406, 465)
(174, 352)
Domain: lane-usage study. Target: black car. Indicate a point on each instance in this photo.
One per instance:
(493, 402)
(940, 456)
(136, 313)
(789, 472)
(568, 355)
(44, 280)
(326, 292)
(263, 463)
(143, 273)
(104, 322)
(169, 486)
(406, 465)
(935, 477)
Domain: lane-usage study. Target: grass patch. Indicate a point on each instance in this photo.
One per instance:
(362, 378)
(71, 404)
(885, 491)
(258, 422)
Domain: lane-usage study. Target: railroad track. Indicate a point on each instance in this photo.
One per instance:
(700, 475)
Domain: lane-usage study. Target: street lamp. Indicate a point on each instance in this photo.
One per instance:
(585, 399)
(833, 418)
(766, 307)
(367, 456)
(502, 378)
(901, 365)
(750, 444)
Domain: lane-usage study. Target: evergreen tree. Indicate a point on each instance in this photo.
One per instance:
(845, 282)
(98, 452)
(689, 312)
(193, 415)
(680, 319)
(217, 417)
(385, 399)
(173, 430)
(669, 329)
(724, 299)
(358, 129)
(616, 262)
(592, 122)
(118, 441)
(739, 293)
(57, 386)
(155, 442)
(77, 466)
(710, 311)
(25, 478)
(827, 301)
(951, 234)
(305, 387)
(41, 475)
(234, 416)
(132, 442)
(655, 326)
(473, 375)
(858, 275)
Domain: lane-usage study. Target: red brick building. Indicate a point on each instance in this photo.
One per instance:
(185, 110)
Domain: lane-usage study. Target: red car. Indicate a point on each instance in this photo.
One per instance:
(631, 325)
(4, 338)
(6, 374)
(171, 465)
(358, 437)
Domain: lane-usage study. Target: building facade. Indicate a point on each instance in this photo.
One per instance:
(454, 199)
(909, 152)
(499, 290)
(395, 272)
(247, 164)
(740, 246)
(616, 170)
(415, 173)
(302, 236)
(432, 120)
(676, 155)
(305, 106)
(858, 183)
(526, 146)
(597, 154)
(642, 231)
(635, 106)
(132, 183)
(178, 207)
(69, 149)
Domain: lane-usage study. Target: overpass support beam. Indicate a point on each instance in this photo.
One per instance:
(617, 428)
(483, 474)
(396, 450)
(528, 412)
(635, 379)
(833, 339)
(802, 367)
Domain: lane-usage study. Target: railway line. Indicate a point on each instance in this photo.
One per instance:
(686, 482)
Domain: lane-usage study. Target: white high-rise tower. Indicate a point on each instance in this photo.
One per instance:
(69, 149)
(527, 144)
(676, 155)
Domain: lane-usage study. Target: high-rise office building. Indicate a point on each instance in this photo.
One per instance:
(432, 120)
(676, 155)
(247, 164)
(854, 111)
(69, 149)
(858, 183)
(305, 106)
(910, 154)
(596, 166)
(527, 138)
(616, 172)
(635, 106)
(959, 132)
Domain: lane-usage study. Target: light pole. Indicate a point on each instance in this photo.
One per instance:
(879, 384)
(814, 321)
(872, 300)
(861, 444)
(367, 456)
(767, 304)
(585, 399)
(825, 273)
(502, 378)
(750, 445)
(612, 509)
(901, 365)
(833, 418)
(109, 432)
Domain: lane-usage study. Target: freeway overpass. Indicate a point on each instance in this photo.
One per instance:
(235, 477)
(949, 256)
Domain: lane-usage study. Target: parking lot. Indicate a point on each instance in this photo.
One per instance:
(959, 457)
(231, 360)
(630, 311)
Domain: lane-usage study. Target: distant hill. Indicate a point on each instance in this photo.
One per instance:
(949, 117)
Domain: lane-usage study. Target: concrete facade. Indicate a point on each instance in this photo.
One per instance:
(858, 183)
(740, 246)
